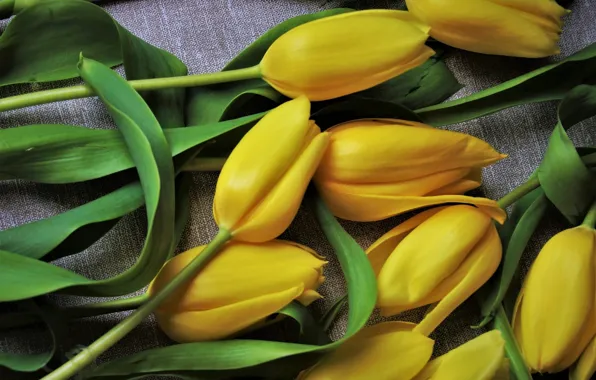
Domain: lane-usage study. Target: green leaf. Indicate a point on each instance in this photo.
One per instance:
(361, 108)
(64, 154)
(151, 154)
(231, 358)
(31, 362)
(74, 230)
(43, 42)
(211, 103)
(329, 317)
(310, 330)
(515, 235)
(428, 84)
(565, 179)
(551, 82)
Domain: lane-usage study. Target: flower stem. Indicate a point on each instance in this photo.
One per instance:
(205, 164)
(89, 354)
(590, 219)
(83, 91)
(531, 184)
(519, 369)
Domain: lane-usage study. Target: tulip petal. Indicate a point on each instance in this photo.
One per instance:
(218, 323)
(272, 216)
(504, 27)
(370, 208)
(260, 160)
(478, 268)
(338, 54)
(585, 368)
(471, 181)
(380, 250)
(479, 359)
(241, 271)
(557, 301)
(367, 354)
(366, 151)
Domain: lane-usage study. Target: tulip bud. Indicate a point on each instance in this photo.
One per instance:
(585, 367)
(240, 287)
(517, 28)
(482, 358)
(263, 181)
(374, 169)
(386, 351)
(346, 53)
(555, 313)
(440, 255)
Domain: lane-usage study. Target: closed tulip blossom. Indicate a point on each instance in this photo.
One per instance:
(240, 287)
(374, 169)
(386, 351)
(555, 314)
(517, 28)
(345, 53)
(263, 181)
(482, 358)
(441, 255)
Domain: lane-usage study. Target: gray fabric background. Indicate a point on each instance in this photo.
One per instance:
(205, 34)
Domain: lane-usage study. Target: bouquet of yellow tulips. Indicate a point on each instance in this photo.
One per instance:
(302, 117)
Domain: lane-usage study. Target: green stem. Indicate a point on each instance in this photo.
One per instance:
(87, 356)
(518, 366)
(205, 164)
(83, 91)
(517, 193)
(590, 219)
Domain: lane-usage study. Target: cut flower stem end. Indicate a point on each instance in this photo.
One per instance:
(87, 356)
(84, 91)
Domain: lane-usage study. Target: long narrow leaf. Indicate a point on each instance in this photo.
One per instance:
(551, 82)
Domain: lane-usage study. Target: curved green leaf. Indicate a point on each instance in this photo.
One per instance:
(29, 46)
(226, 359)
(310, 331)
(564, 177)
(547, 83)
(31, 362)
(65, 154)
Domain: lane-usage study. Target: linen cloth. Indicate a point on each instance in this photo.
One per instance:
(205, 35)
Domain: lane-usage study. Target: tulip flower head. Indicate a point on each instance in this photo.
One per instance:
(374, 169)
(441, 255)
(240, 287)
(263, 181)
(517, 28)
(482, 358)
(386, 351)
(555, 314)
(345, 53)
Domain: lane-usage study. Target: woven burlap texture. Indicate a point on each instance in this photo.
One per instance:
(207, 34)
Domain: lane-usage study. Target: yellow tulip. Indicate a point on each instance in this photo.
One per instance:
(263, 181)
(374, 169)
(585, 367)
(555, 313)
(239, 288)
(386, 351)
(441, 255)
(482, 358)
(346, 53)
(517, 28)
